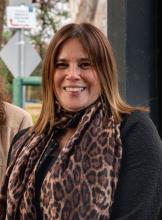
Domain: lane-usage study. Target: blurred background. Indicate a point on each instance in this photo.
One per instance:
(132, 26)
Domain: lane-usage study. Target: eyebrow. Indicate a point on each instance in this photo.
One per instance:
(65, 60)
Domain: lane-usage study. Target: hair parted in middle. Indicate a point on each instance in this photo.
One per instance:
(100, 54)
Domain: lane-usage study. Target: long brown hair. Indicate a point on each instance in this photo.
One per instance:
(100, 52)
(2, 109)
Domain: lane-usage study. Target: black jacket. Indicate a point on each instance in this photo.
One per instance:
(139, 190)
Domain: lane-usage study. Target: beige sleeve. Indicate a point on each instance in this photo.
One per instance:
(26, 121)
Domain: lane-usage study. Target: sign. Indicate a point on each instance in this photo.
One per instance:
(20, 2)
(21, 17)
(11, 55)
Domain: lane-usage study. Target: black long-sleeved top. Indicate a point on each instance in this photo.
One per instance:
(139, 190)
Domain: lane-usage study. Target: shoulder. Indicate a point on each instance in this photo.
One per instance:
(137, 120)
(13, 109)
(16, 116)
(140, 137)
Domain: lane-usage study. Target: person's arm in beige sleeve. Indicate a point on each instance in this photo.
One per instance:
(26, 121)
(16, 120)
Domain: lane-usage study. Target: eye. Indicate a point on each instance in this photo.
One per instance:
(61, 65)
(85, 65)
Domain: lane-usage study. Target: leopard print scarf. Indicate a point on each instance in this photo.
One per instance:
(79, 185)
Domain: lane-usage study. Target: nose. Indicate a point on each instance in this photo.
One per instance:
(73, 73)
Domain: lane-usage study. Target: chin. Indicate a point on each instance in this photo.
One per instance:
(74, 108)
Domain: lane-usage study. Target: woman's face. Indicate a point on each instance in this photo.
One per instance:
(76, 84)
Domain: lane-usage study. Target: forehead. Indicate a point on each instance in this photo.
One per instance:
(71, 47)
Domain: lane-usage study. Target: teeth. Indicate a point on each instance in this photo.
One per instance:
(74, 89)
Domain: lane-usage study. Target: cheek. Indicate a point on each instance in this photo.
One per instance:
(93, 80)
(56, 82)
(57, 79)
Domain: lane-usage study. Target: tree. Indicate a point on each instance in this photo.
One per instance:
(93, 11)
(2, 12)
(50, 14)
(86, 11)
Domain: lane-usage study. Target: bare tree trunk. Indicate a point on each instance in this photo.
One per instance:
(93, 11)
(86, 11)
(2, 12)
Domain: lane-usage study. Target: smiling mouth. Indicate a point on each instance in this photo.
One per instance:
(74, 89)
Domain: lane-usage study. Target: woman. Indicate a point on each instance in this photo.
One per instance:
(90, 155)
(12, 120)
